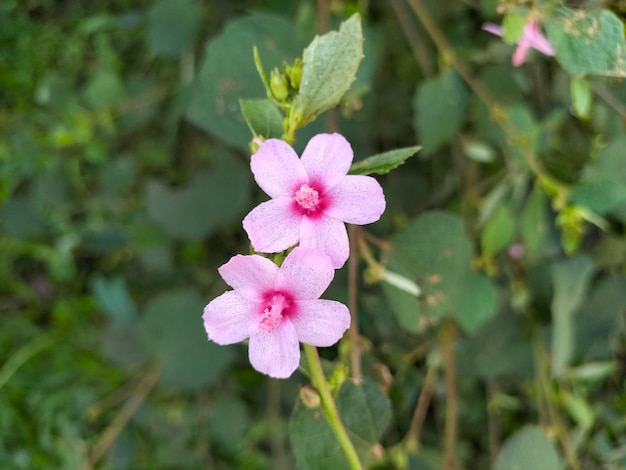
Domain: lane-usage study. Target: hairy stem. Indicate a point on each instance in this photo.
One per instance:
(330, 408)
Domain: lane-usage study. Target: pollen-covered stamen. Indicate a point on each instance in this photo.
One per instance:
(273, 313)
(307, 197)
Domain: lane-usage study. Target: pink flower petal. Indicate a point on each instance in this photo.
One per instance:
(230, 318)
(251, 275)
(305, 273)
(538, 40)
(357, 200)
(277, 353)
(327, 235)
(273, 226)
(327, 159)
(277, 168)
(493, 29)
(520, 53)
(321, 322)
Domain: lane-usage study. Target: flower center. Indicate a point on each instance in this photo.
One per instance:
(307, 197)
(273, 313)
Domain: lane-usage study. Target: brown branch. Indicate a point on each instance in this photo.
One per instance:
(413, 37)
(413, 437)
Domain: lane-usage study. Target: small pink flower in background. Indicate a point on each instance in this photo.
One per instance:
(312, 197)
(277, 308)
(532, 37)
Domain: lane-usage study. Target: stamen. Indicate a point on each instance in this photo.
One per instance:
(273, 313)
(307, 197)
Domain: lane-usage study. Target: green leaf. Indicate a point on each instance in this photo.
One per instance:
(434, 251)
(330, 62)
(104, 90)
(599, 321)
(172, 26)
(439, 105)
(478, 302)
(172, 332)
(499, 231)
(263, 118)
(571, 278)
(533, 223)
(581, 97)
(588, 42)
(528, 449)
(513, 27)
(228, 73)
(599, 196)
(113, 297)
(212, 198)
(313, 441)
(383, 163)
(364, 410)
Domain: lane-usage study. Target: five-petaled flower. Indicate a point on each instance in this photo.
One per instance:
(277, 308)
(312, 197)
(531, 37)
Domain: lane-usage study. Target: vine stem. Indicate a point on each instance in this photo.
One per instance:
(329, 406)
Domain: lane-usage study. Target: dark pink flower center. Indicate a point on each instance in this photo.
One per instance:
(307, 198)
(276, 307)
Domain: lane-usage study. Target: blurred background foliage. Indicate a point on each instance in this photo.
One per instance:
(123, 181)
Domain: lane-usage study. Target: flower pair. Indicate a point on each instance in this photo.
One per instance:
(279, 307)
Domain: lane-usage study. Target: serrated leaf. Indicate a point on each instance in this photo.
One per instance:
(263, 118)
(588, 42)
(228, 73)
(172, 332)
(434, 251)
(383, 163)
(172, 26)
(330, 63)
(440, 106)
(571, 278)
(528, 449)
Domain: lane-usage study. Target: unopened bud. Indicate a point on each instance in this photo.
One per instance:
(294, 73)
(309, 396)
(279, 85)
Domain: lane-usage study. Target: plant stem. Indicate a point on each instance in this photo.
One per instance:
(413, 437)
(329, 406)
(353, 266)
(452, 418)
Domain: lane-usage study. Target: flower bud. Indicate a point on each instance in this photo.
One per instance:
(294, 73)
(279, 85)
(310, 397)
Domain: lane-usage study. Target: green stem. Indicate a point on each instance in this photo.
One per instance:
(329, 406)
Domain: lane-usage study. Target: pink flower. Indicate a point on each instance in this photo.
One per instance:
(532, 37)
(276, 308)
(312, 197)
